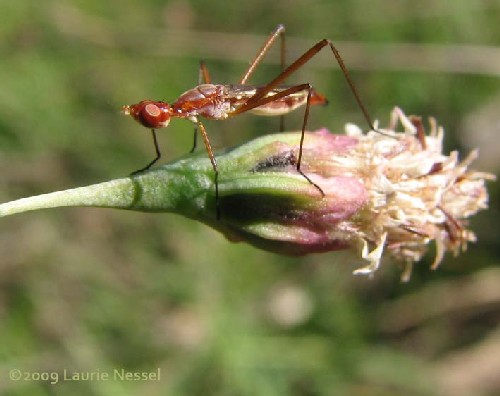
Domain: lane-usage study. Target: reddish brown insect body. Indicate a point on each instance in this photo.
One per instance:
(218, 102)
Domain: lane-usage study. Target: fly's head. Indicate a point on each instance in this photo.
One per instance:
(149, 113)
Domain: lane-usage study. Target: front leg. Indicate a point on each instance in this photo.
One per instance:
(158, 155)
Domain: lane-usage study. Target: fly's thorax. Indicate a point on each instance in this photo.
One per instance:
(205, 100)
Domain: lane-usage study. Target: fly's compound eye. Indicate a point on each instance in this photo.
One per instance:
(149, 113)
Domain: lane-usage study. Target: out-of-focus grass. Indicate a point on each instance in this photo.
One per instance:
(88, 290)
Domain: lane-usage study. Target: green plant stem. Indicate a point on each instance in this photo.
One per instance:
(155, 191)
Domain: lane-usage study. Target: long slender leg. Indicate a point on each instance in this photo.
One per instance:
(195, 140)
(283, 66)
(203, 77)
(283, 50)
(283, 94)
(279, 31)
(158, 155)
(210, 152)
(304, 123)
(299, 62)
(352, 86)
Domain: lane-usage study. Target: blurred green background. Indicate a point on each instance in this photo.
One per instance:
(94, 289)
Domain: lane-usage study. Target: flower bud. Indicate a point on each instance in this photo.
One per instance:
(386, 192)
